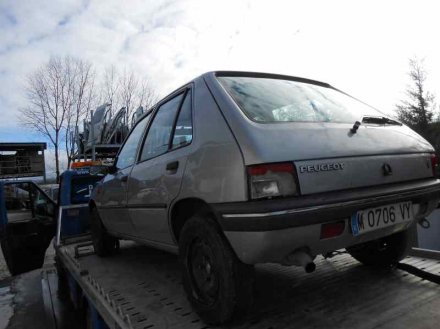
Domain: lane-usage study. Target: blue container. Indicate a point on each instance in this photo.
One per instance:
(75, 189)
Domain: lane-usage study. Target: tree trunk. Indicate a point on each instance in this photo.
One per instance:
(57, 161)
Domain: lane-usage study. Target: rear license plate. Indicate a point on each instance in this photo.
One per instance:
(376, 218)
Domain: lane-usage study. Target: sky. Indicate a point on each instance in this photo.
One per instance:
(361, 47)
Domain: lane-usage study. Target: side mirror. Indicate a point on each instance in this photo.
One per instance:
(112, 169)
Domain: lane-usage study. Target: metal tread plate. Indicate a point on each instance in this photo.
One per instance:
(143, 286)
(423, 263)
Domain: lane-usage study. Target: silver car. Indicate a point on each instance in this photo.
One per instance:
(237, 168)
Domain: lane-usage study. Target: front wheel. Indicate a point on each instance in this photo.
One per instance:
(103, 243)
(217, 284)
(383, 252)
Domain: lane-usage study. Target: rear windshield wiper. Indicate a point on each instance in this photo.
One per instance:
(380, 121)
(374, 120)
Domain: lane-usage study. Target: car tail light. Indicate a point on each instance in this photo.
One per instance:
(272, 180)
(434, 164)
(331, 230)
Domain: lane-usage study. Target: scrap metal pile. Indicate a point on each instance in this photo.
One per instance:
(103, 134)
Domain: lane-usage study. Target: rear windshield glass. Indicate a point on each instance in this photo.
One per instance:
(277, 100)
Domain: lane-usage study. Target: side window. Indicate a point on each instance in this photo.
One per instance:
(158, 137)
(24, 201)
(43, 207)
(127, 156)
(183, 131)
(18, 201)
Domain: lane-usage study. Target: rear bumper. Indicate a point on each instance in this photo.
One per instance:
(267, 231)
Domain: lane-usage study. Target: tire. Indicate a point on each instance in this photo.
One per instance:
(103, 243)
(217, 284)
(383, 252)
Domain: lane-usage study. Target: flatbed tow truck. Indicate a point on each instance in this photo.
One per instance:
(140, 287)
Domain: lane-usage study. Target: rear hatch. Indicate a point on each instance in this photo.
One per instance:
(283, 119)
(352, 172)
(328, 157)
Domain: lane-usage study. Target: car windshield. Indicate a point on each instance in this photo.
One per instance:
(269, 100)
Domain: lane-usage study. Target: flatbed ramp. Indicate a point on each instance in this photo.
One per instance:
(140, 287)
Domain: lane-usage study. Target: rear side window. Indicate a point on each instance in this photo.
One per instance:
(183, 132)
(158, 137)
(269, 100)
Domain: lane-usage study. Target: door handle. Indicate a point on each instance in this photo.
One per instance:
(124, 178)
(173, 166)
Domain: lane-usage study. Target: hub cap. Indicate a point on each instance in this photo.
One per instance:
(202, 271)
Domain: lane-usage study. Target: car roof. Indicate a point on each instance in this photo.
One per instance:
(266, 75)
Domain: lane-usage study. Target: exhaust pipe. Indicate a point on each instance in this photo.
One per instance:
(301, 257)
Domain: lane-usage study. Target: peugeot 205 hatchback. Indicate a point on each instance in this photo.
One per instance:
(235, 169)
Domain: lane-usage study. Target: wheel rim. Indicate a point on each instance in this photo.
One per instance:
(203, 273)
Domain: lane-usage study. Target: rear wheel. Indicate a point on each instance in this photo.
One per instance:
(383, 252)
(217, 284)
(103, 243)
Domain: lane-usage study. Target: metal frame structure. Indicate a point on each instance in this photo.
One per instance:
(111, 135)
(28, 160)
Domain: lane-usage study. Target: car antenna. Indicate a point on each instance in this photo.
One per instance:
(355, 127)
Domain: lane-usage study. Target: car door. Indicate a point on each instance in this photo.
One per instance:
(156, 179)
(27, 217)
(112, 198)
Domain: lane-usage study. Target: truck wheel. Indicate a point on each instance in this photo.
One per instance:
(103, 243)
(383, 252)
(217, 284)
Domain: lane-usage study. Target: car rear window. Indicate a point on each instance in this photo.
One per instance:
(268, 100)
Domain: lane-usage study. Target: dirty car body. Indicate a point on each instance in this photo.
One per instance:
(276, 161)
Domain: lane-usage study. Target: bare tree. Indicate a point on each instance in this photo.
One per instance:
(146, 95)
(416, 110)
(128, 91)
(83, 96)
(110, 87)
(46, 112)
(57, 96)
